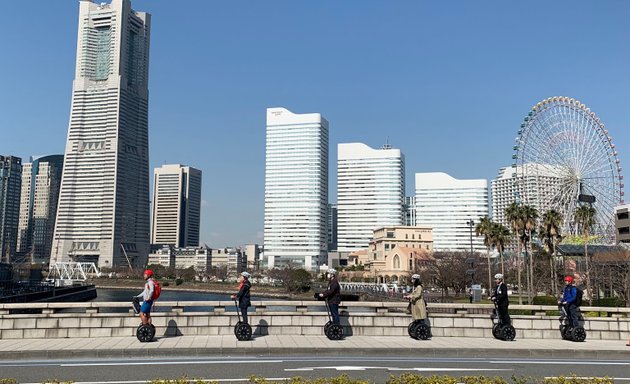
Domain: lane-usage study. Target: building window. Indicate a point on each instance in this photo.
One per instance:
(390, 235)
(624, 230)
(396, 262)
(622, 215)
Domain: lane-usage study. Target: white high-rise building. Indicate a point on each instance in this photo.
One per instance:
(509, 187)
(104, 207)
(370, 193)
(176, 206)
(448, 205)
(41, 179)
(296, 189)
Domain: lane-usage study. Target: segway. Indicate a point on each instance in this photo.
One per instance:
(144, 332)
(501, 331)
(242, 331)
(567, 330)
(419, 330)
(331, 330)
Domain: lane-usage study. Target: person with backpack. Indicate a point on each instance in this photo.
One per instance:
(333, 295)
(500, 296)
(243, 296)
(151, 292)
(571, 299)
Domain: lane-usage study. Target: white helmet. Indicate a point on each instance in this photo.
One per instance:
(246, 275)
(332, 271)
(415, 276)
(498, 276)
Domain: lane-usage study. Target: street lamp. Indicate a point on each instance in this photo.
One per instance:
(471, 259)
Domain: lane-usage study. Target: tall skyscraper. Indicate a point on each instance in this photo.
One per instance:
(509, 185)
(41, 179)
(104, 207)
(10, 181)
(448, 205)
(296, 189)
(370, 193)
(176, 206)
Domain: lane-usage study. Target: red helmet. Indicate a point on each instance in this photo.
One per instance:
(569, 279)
(148, 272)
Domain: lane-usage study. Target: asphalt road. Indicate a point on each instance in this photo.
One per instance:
(376, 369)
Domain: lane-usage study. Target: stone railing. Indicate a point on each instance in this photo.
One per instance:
(105, 319)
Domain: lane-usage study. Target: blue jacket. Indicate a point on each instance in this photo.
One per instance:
(569, 294)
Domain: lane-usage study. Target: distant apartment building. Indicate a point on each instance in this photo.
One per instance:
(332, 227)
(296, 189)
(370, 192)
(10, 183)
(103, 214)
(176, 206)
(199, 258)
(409, 211)
(231, 258)
(622, 224)
(512, 186)
(396, 252)
(251, 257)
(41, 179)
(447, 205)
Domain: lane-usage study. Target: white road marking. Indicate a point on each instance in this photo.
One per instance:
(358, 368)
(559, 362)
(196, 380)
(162, 363)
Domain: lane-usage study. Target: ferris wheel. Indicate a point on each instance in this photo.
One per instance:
(564, 158)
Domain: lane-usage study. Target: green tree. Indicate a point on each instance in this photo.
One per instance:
(514, 217)
(500, 237)
(484, 228)
(550, 234)
(585, 218)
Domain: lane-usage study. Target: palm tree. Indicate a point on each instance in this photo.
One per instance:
(484, 227)
(514, 217)
(500, 237)
(585, 218)
(551, 236)
(529, 216)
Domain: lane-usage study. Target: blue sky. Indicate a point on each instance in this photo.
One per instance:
(447, 82)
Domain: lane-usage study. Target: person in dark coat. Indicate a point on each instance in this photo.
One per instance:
(244, 300)
(500, 296)
(333, 295)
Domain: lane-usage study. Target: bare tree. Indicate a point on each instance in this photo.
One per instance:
(449, 271)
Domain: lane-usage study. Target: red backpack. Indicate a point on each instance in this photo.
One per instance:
(157, 290)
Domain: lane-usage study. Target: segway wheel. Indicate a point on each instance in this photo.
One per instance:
(578, 334)
(563, 332)
(422, 331)
(334, 332)
(508, 333)
(145, 333)
(327, 325)
(243, 331)
(496, 331)
(411, 329)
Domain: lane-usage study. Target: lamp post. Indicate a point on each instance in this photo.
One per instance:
(471, 259)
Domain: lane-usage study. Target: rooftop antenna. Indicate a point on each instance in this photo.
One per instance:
(386, 145)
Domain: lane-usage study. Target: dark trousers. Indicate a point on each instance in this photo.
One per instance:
(572, 311)
(334, 312)
(504, 314)
(243, 308)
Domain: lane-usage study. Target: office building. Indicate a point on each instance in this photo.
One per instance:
(41, 179)
(370, 192)
(296, 189)
(176, 206)
(622, 224)
(448, 205)
(332, 227)
(10, 182)
(104, 207)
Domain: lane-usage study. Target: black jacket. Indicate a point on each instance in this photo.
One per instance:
(333, 293)
(501, 294)
(243, 295)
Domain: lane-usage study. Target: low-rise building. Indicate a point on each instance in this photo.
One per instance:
(622, 224)
(181, 258)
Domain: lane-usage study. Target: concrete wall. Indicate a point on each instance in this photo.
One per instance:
(64, 320)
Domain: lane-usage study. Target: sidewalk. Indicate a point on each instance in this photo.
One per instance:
(295, 345)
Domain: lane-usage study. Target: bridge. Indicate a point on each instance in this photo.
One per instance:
(68, 272)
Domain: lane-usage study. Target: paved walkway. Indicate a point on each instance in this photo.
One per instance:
(295, 345)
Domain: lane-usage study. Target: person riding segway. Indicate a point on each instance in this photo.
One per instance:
(146, 331)
(419, 328)
(502, 329)
(332, 329)
(242, 329)
(570, 317)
